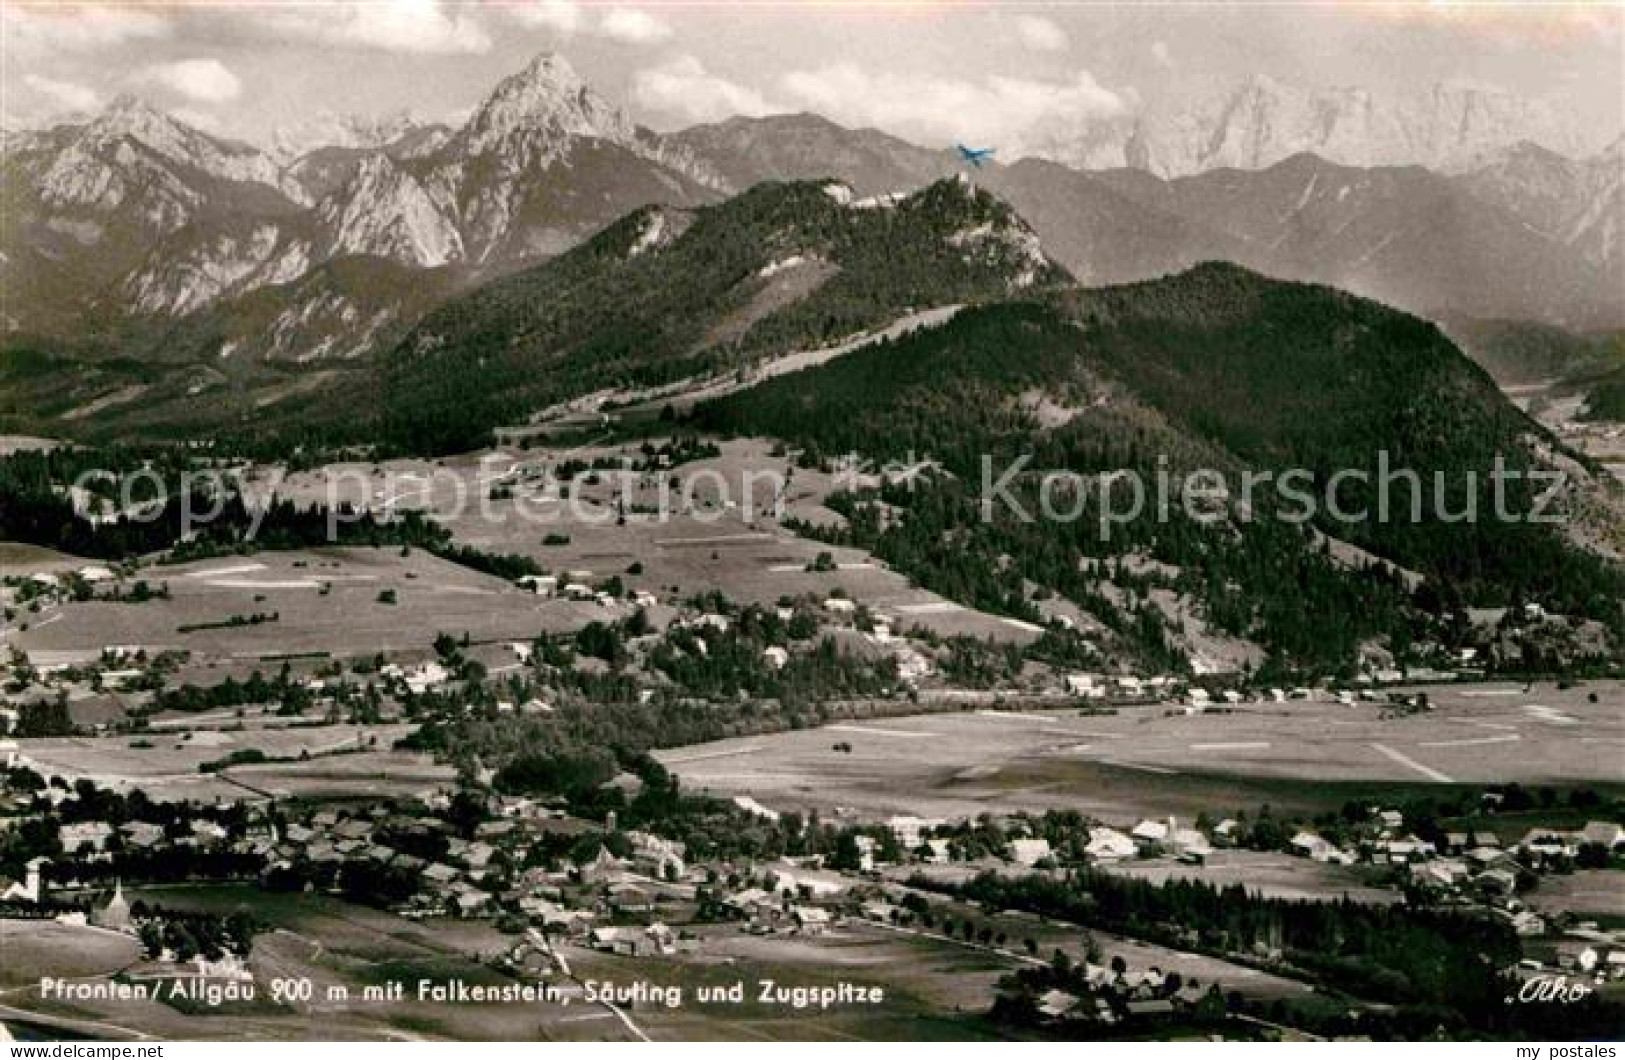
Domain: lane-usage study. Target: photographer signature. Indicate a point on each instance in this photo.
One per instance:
(1548, 989)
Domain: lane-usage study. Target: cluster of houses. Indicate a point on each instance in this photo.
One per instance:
(1130, 689)
(1106, 997)
(1466, 867)
(577, 585)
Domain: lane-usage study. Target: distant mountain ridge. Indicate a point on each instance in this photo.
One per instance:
(1422, 240)
(136, 213)
(1450, 127)
(134, 224)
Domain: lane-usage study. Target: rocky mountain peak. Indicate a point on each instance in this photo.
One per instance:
(129, 115)
(131, 118)
(546, 104)
(385, 212)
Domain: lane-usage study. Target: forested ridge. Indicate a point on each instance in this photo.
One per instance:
(1220, 369)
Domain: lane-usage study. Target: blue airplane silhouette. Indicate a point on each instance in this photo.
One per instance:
(976, 156)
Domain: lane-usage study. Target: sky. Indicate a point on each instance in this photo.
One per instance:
(934, 72)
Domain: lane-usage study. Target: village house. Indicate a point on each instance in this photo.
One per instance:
(1481, 858)
(809, 919)
(1150, 835)
(630, 898)
(1053, 1004)
(84, 836)
(1401, 851)
(141, 835)
(1086, 686)
(1444, 874)
(815, 884)
(1546, 843)
(553, 917)
(207, 833)
(909, 830)
(912, 665)
(1523, 922)
(1317, 848)
(630, 941)
(540, 584)
(881, 911)
(1606, 834)
(1029, 852)
(1108, 844)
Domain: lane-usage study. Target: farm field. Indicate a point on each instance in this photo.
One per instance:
(1272, 874)
(350, 947)
(17, 558)
(1050, 936)
(933, 985)
(930, 987)
(1584, 892)
(701, 544)
(375, 774)
(349, 620)
(36, 948)
(1145, 761)
(168, 768)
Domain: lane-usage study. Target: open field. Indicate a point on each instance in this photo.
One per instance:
(1269, 873)
(1303, 756)
(349, 620)
(377, 774)
(1584, 892)
(934, 987)
(18, 559)
(700, 544)
(346, 947)
(168, 768)
(1052, 935)
(35, 948)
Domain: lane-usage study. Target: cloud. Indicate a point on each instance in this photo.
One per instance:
(627, 25)
(561, 16)
(200, 80)
(1040, 34)
(1019, 114)
(1159, 52)
(63, 95)
(420, 27)
(1549, 23)
(39, 31)
(684, 88)
(632, 26)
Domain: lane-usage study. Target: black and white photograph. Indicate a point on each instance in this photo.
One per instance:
(831, 521)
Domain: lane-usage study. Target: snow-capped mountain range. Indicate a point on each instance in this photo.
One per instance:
(134, 213)
(1451, 127)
